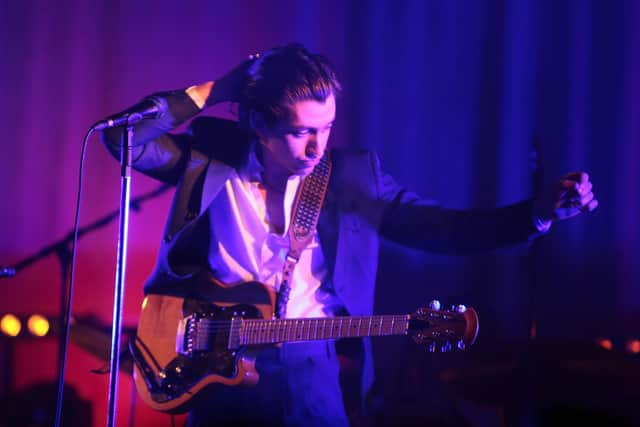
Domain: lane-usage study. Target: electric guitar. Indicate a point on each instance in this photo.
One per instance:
(185, 345)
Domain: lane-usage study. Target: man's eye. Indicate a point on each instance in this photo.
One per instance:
(299, 133)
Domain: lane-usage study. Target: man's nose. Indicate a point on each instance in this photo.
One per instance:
(312, 150)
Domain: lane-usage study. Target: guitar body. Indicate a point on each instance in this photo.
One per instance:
(166, 373)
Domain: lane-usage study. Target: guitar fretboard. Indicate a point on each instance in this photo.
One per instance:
(258, 331)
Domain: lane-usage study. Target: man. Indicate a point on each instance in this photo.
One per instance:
(235, 187)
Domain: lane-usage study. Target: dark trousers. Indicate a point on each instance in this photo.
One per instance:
(299, 386)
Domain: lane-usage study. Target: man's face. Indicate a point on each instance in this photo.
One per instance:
(295, 145)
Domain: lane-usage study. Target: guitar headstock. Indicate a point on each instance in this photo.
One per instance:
(444, 330)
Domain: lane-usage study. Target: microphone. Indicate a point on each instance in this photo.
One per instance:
(146, 109)
(7, 271)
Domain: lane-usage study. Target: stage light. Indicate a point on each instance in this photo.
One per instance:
(605, 343)
(10, 325)
(633, 346)
(38, 325)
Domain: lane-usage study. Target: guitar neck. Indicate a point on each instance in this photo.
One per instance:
(258, 331)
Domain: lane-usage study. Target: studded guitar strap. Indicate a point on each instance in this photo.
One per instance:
(304, 220)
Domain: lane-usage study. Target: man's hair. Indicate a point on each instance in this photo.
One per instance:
(282, 76)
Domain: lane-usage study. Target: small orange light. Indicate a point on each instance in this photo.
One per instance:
(10, 325)
(633, 346)
(38, 325)
(145, 301)
(605, 343)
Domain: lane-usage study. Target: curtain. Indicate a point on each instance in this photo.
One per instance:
(473, 103)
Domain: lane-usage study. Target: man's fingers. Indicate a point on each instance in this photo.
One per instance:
(590, 206)
(569, 184)
(586, 199)
(585, 188)
(581, 177)
(574, 190)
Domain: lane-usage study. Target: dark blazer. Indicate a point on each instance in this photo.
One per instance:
(362, 204)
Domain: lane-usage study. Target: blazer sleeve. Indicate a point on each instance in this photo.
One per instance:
(419, 223)
(156, 152)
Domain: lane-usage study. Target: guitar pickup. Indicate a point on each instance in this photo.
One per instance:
(187, 330)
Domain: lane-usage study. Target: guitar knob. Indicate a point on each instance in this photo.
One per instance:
(461, 345)
(431, 347)
(446, 347)
(435, 305)
(461, 308)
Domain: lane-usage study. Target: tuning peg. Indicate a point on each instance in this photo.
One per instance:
(446, 347)
(460, 308)
(461, 345)
(435, 305)
(431, 347)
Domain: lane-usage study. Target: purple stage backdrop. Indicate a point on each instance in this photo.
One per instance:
(454, 95)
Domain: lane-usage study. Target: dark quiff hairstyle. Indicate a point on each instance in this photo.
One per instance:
(282, 76)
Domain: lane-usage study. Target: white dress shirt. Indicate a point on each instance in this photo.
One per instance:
(244, 247)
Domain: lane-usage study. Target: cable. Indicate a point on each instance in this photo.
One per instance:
(62, 363)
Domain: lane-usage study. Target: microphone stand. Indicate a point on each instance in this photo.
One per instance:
(62, 250)
(118, 298)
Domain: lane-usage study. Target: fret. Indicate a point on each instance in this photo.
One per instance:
(369, 329)
(393, 321)
(340, 329)
(278, 326)
(259, 332)
(380, 327)
(242, 324)
(324, 327)
(271, 335)
(281, 330)
(287, 328)
(360, 326)
(265, 331)
(349, 332)
(254, 332)
(249, 330)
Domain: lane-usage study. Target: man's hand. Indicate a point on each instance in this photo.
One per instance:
(571, 196)
(228, 88)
